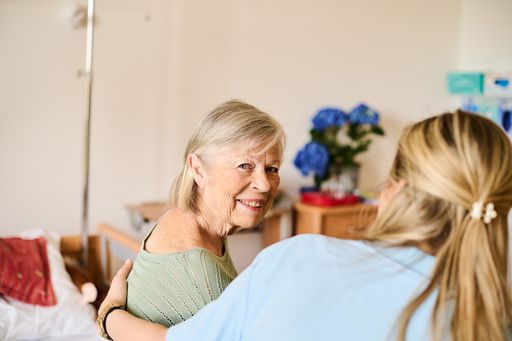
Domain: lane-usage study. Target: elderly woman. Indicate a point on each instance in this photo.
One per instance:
(433, 266)
(228, 180)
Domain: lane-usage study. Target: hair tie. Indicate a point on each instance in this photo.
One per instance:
(477, 211)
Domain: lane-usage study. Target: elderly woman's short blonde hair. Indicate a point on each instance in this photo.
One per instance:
(232, 122)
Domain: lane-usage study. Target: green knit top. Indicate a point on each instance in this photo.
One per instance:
(170, 288)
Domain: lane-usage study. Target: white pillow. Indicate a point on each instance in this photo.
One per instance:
(22, 321)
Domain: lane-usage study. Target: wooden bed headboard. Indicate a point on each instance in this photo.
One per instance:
(107, 251)
(70, 246)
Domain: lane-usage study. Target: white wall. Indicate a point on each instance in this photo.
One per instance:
(41, 108)
(39, 117)
(293, 57)
(162, 64)
(486, 31)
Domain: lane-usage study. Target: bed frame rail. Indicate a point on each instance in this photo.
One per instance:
(115, 247)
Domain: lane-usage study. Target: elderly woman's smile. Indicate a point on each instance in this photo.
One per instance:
(252, 204)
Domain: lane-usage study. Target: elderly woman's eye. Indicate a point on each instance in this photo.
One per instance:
(245, 166)
(273, 170)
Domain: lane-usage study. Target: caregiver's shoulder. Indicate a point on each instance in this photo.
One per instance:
(313, 244)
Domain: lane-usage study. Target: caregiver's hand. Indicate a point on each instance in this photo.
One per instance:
(116, 323)
(118, 287)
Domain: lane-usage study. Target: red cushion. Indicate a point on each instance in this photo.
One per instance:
(25, 272)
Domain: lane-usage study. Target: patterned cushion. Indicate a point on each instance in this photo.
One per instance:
(25, 271)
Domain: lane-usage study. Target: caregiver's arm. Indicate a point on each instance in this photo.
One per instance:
(121, 325)
(222, 319)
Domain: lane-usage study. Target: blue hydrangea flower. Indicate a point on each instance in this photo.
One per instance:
(314, 157)
(362, 114)
(328, 117)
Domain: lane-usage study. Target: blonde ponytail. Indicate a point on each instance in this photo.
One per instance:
(449, 163)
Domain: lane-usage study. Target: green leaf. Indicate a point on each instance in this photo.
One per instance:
(377, 130)
(362, 147)
(353, 131)
(315, 135)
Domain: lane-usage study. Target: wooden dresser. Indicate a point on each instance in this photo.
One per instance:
(347, 222)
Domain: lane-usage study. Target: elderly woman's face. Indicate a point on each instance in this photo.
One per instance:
(237, 186)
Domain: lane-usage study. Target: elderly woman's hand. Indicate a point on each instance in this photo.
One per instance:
(118, 288)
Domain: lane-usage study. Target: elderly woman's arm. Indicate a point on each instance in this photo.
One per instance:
(120, 324)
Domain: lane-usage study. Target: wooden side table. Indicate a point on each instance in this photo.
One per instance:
(276, 226)
(347, 222)
(144, 213)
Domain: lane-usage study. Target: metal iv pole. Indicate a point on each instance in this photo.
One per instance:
(87, 133)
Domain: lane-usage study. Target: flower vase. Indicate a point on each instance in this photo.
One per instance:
(342, 180)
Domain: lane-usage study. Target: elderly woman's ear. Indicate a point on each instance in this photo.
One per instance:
(197, 168)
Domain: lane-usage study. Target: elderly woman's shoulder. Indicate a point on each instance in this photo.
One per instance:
(174, 232)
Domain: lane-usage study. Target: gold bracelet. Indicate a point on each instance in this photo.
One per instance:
(102, 318)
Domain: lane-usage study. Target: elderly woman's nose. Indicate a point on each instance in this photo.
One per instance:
(260, 181)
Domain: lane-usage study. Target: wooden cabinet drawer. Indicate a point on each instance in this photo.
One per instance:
(346, 222)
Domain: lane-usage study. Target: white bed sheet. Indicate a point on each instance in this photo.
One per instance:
(70, 319)
(93, 337)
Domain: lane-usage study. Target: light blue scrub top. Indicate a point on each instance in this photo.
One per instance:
(312, 287)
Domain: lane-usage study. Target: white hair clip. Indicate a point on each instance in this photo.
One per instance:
(490, 213)
(477, 210)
